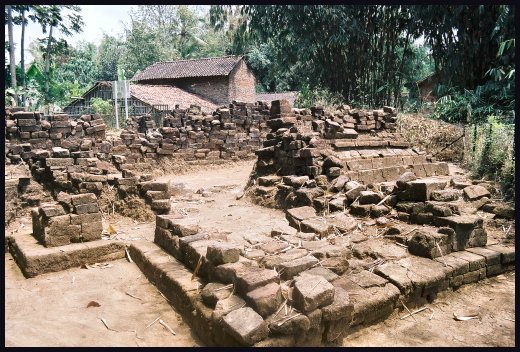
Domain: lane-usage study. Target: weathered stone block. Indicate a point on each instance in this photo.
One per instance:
(468, 230)
(475, 192)
(265, 299)
(421, 189)
(369, 197)
(222, 253)
(429, 244)
(292, 268)
(492, 257)
(360, 209)
(81, 199)
(86, 208)
(254, 278)
(61, 162)
(214, 292)
(341, 306)
(91, 231)
(245, 325)
(311, 292)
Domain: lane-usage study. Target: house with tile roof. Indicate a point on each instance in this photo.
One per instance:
(218, 79)
(167, 85)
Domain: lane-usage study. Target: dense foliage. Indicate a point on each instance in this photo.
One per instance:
(372, 54)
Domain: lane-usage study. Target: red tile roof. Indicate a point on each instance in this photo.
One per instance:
(170, 96)
(211, 66)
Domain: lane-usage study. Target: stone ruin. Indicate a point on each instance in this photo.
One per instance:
(326, 171)
(77, 156)
(75, 218)
(304, 283)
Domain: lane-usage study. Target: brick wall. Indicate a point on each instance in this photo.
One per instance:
(242, 84)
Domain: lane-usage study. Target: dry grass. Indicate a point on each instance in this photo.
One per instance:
(432, 135)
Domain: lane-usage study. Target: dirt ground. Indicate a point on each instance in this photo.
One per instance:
(51, 309)
(493, 299)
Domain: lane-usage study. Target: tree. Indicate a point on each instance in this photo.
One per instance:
(77, 72)
(109, 55)
(12, 62)
(178, 31)
(53, 16)
(141, 49)
(465, 39)
(352, 50)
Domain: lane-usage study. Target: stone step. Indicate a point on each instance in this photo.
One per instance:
(34, 259)
(360, 144)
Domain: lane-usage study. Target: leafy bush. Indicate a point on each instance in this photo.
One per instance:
(105, 109)
(491, 154)
(308, 97)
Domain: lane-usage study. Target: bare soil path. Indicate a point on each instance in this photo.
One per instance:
(51, 309)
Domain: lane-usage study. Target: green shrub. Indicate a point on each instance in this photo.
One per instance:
(308, 97)
(490, 153)
(105, 109)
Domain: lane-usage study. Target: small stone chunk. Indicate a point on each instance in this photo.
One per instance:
(214, 292)
(245, 325)
(266, 299)
(311, 292)
(222, 253)
(254, 278)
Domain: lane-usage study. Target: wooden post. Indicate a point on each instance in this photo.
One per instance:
(115, 103)
(126, 101)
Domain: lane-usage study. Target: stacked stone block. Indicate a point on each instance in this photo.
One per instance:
(345, 121)
(157, 195)
(250, 310)
(75, 218)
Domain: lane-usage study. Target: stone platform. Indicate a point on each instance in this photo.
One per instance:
(35, 259)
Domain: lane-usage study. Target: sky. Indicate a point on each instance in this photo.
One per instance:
(98, 19)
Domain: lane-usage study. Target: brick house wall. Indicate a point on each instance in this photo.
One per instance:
(238, 85)
(242, 84)
(213, 88)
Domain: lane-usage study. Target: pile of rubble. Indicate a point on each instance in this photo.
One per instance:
(231, 132)
(34, 131)
(345, 121)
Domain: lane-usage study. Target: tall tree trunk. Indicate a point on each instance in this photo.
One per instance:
(397, 92)
(22, 59)
(47, 64)
(12, 63)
